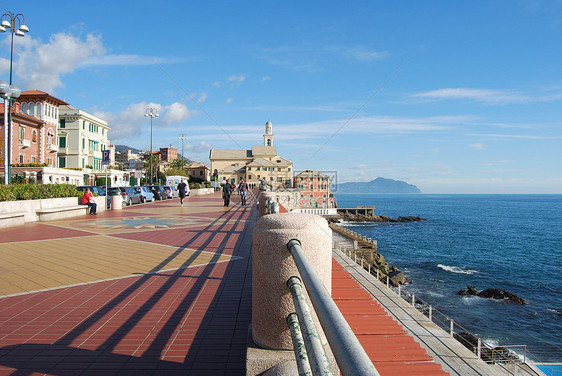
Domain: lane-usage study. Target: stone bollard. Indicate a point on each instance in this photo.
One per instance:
(263, 202)
(272, 266)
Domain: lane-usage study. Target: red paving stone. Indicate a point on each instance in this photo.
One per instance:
(189, 321)
(390, 348)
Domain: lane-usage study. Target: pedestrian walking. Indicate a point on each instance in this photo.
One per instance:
(243, 188)
(182, 188)
(226, 191)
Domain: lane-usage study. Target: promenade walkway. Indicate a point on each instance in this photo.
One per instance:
(152, 289)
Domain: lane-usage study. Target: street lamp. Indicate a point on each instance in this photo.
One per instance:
(9, 93)
(182, 138)
(10, 21)
(151, 112)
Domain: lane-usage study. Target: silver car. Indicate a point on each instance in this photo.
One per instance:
(172, 191)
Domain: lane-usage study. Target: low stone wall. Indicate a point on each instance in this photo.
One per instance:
(201, 191)
(30, 207)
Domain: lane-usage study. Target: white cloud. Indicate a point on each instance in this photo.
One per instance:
(175, 113)
(129, 122)
(265, 78)
(229, 100)
(488, 96)
(234, 79)
(477, 146)
(201, 147)
(41, 66)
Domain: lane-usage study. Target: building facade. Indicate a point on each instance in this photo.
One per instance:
(82, 138)
(199, 171)
(314, 188)
(33, 135)
(260, 163)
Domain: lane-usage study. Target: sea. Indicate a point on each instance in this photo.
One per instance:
(509, 242)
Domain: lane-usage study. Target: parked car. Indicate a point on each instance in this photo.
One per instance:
(95, 189)
(115, 191)
(171, 191)
(158, 191)
(145, 193)
(134, 195)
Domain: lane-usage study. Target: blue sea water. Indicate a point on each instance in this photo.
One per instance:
(510, 242)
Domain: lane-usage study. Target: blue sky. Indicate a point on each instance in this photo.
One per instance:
(454, 97)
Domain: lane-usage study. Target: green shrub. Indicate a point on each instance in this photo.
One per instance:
(16, 192)
(194, 185)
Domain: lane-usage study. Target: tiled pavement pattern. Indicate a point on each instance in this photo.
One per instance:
(154, 289)
(390, 348)
(149, 290)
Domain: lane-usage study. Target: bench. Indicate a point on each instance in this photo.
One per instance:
(52, 214)
(11, 219)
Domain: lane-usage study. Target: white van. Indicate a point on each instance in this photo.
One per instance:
(174, 180)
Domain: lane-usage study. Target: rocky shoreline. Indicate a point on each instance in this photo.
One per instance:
(348, 217)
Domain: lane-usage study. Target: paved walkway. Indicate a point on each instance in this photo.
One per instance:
(147, 290)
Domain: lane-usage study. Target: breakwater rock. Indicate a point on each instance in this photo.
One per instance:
(493, 294)
(349, 217)
(494, 354)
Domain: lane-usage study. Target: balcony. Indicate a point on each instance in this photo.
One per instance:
(25, 144)
(52, 148)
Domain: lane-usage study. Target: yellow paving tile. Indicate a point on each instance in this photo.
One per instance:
(36, 265)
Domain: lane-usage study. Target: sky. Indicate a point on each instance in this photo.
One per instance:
(452, 96)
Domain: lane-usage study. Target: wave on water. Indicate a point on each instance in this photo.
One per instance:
(457, 269)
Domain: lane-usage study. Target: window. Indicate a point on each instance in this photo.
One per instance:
(83, 163)
(38, 109)
(49, 138)
(279, 169)
(33, 159)
(249, 169)
(24, 108)
(311, 186)
(22, 133)
(83, 143)
(289, 169)
(258, 169)
(271, 178)
(31, 108)
(62, 144)
(62, 162)
(21, 158)
(83, 124)
(62, 123)
(279, 180)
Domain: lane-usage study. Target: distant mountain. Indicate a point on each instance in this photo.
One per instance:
(123, 149)
(379, 185)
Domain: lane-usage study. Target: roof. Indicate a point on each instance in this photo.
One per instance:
(259, 151)
(197, 165)
(230, 154)
(311, 174)
(42, 95)
(234, 168)
(267, 163)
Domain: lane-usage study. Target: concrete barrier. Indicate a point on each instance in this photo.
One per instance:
(272, 267)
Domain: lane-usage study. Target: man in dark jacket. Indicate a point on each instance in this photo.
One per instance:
(226, 191)
(182, 191)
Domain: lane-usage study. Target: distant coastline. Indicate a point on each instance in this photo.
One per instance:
(378, 185)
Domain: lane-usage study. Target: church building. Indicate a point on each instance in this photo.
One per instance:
(254, 165)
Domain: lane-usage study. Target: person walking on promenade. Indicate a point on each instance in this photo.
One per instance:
(226, 191)
(243, 188)
(182, 190)
(88, 199)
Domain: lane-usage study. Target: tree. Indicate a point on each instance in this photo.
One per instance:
(179, 164)
(155, 164)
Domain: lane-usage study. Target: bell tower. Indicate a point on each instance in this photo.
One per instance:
(268, 135)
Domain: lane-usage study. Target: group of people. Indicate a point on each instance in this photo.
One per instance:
(228, 188)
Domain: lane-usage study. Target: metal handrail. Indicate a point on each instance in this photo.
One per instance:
(317, 359)
(350, 355)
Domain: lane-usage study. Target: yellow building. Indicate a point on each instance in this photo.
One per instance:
(254, 165)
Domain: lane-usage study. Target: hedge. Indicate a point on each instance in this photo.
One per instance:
(16, 192)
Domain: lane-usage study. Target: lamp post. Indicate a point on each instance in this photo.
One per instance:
(9, 93)
(151, 112)
(10, 21)
(182, 138)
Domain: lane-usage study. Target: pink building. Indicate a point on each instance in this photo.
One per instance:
(34, 129)
(314, 188)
